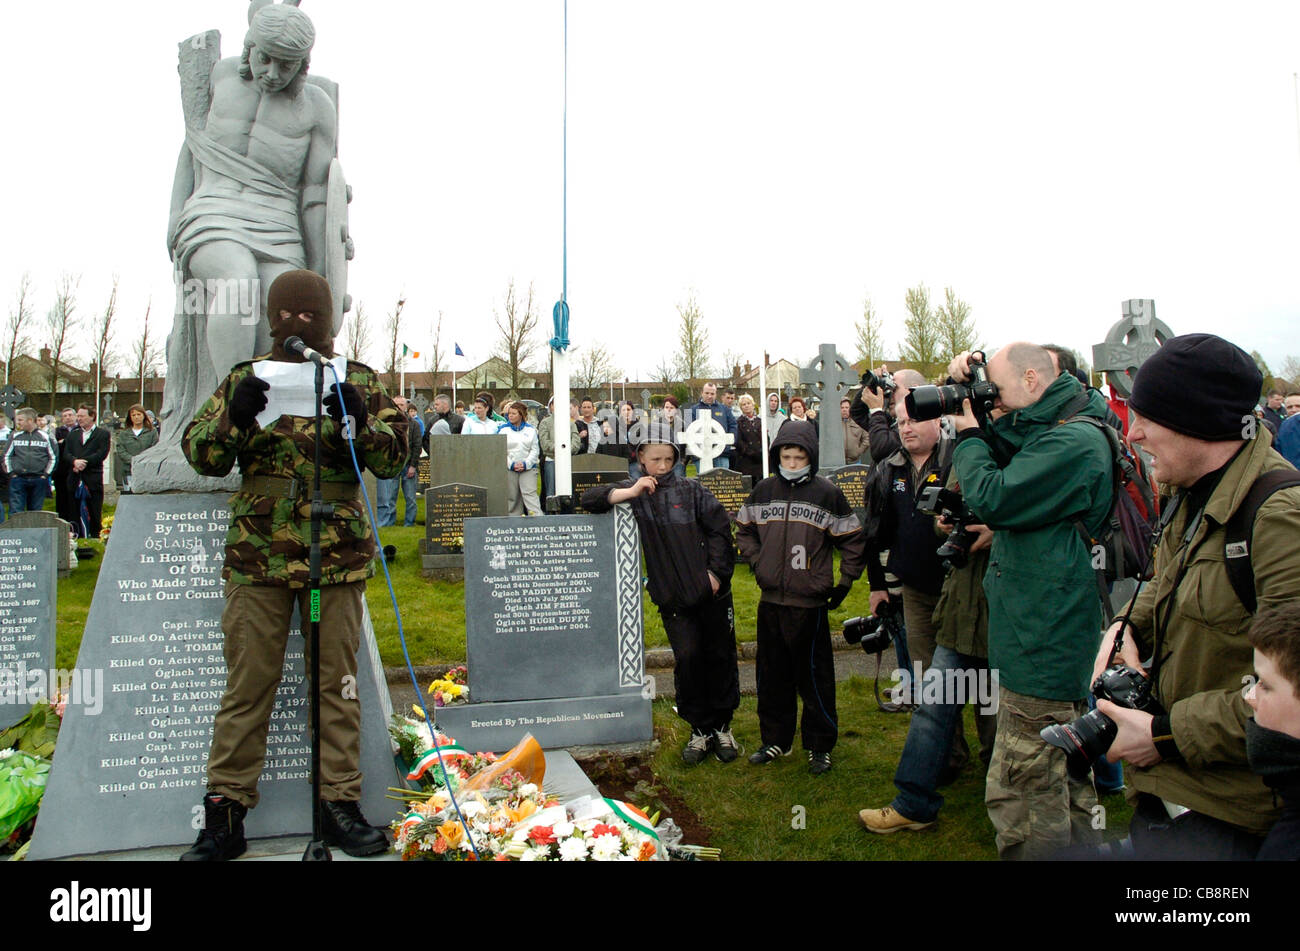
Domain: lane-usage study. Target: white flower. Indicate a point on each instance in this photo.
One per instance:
(534, 855)
(5, 754)
(573, 850)
(606, 848)
(472, 808)
(527, 789)
(563, 829)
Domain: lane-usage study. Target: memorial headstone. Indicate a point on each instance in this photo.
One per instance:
(1129, 342)
(12, 400)
(63, 559)
(132, 774)
(28, 594)
(731, 489)
(425, 472)
(852, 481)
(705, 439)
(553, 633)
(445, 509)
(592, 469)
(830, 378)
(472, 460)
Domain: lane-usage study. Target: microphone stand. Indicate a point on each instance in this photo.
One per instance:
(317, 850)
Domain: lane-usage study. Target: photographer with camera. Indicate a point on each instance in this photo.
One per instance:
(872, 407)
(1030, 476)
(1229, 547)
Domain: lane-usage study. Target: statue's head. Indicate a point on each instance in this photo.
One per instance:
(299, 304)
(277, 48)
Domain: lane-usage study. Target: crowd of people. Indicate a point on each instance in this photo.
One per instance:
(1193, 681)
(63, 459)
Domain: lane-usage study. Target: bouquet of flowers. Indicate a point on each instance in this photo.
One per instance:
(450, 688)
(433, 829)
(589, 830)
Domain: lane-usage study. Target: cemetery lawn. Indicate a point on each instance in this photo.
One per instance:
(751, 811)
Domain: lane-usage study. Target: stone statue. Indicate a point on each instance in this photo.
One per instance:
(258, 192)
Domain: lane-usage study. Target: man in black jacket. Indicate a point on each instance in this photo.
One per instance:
(686, 537)
(868, 410)
(63, 501)
(86, 447)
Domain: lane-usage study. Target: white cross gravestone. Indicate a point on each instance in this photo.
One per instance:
(706, 439)
(830, 377)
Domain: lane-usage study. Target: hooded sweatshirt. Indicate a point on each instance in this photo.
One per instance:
(788, 530)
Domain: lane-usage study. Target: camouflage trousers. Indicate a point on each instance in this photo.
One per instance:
(1034, 806)
(255, 622)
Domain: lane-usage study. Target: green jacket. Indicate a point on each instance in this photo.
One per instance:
(1045, 618)
(126, 446)
(546, 437)
(269, 538)
(1204, 655)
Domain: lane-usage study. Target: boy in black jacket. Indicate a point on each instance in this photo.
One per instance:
(686, 536)
(788, 527)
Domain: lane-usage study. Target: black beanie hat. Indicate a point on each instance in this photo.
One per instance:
(1199, 385)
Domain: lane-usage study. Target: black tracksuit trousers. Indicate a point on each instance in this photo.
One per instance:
(705, 674)
(794, 654)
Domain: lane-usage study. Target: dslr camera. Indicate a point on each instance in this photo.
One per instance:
(876, 632)
(883, 384)
(1090, 736)
(947, 504)
(931, 402)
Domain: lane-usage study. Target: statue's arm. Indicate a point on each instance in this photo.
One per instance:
(320, 154)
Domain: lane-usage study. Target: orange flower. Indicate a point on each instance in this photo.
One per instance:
(526, 809)
(647, 851)
(452, 832)
(439, 845)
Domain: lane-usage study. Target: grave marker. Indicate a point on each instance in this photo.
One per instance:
(43, 519)
(731, 489)
(706, 439)
(852, 481)
(553, 633)
(445, 509)
(1129, 342)
(830, 377)
(28, 592)
(132, 774)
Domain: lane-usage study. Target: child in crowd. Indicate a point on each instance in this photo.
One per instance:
(1273, 735)
(686, 536)
(788, 529)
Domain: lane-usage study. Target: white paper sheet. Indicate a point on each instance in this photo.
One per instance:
(293, 388)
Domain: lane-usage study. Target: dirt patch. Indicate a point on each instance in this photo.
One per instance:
(632, 779)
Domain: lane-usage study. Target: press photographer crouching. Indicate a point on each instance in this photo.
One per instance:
(1030, 473)
(1229, 547)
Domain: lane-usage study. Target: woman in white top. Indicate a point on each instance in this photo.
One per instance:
(522, 453)
(479, 423)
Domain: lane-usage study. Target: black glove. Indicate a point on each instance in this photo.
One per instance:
(354, 404)
(248, 399)
(837, 596)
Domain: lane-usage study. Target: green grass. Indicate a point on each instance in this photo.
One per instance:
(751, 810)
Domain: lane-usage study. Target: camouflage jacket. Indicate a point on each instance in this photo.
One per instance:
(269, 538)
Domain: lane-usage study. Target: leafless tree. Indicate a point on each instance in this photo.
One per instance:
(359, 333)
(665, 373)
(595, 366)
(103, 340)
(436, 355)
(16, 339)
(62, 322)
(517, 326)
(144, 355)
(393, 330)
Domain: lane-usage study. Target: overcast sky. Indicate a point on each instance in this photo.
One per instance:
(782, 161)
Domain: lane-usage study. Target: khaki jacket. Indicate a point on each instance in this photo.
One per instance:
(1204, 656)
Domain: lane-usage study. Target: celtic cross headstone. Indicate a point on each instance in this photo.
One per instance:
(830, 377)
(706, 439)
(1129, 343)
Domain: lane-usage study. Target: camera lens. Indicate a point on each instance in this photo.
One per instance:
(1084, 740)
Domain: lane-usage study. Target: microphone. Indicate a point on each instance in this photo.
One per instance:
(295, 345)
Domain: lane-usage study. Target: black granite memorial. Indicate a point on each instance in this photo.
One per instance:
(852, 481)
(28, 593)
(731, 489)
(133, 775)
(591, 469)
(553, 633)
(445, 509)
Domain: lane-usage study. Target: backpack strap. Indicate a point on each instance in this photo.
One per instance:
(1118, 459)
(1241, 529)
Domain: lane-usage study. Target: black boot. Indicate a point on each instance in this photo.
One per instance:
(343, 825)
(222, 838)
